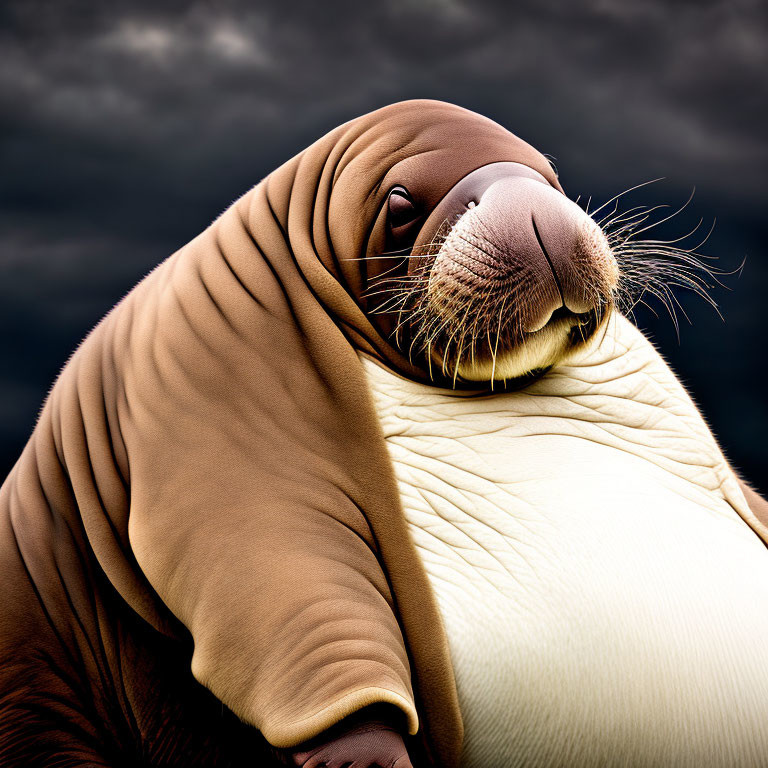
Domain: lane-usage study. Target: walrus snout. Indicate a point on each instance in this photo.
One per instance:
(520, 259)
(528, 243)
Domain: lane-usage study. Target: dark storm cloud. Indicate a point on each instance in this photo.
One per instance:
(127, 127)
(675, 83)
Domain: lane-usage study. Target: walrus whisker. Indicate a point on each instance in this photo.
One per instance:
(671, 215)
(392, 298)
(394, 280)
(389, 305)
(461, 343)
(633, 213)
(392, 283)
(405, 251)
(415, 314)
(680, 270)
(663, 295)
(445, 352)
(676, 300)
(387, 257)
(403, 284)
(688, 271)
(641, 300)
(407, 286)
(498, 331)
(493, 359)
(458, 360)
(393, 288)
(656, 285)
(605, 333)
(411, 251)
(692, 249)
(387, 285)
(655, 267)
(689, 285)
(644, 259)
(607, 216)
(621, 194)
(664, 243)
(619, 223)
(398, 253)
(661, 292)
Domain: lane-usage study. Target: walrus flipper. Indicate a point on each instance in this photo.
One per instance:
(240, 516)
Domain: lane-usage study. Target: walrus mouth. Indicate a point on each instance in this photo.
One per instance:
(506, 355)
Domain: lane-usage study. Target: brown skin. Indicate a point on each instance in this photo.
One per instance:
(757, 504)
(203, 539)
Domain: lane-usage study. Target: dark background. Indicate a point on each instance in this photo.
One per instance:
(127, 127)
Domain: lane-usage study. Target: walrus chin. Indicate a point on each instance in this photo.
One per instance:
(511, 283)
(524, 359)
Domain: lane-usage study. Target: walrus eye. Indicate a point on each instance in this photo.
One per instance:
(402, 211)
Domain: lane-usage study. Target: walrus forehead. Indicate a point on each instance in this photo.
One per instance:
(423, 138)
(427, 146)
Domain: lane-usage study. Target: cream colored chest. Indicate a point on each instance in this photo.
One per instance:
(603, 601)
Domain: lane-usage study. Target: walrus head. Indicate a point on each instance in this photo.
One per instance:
(507, 275)
(456, 240)
(504, 276)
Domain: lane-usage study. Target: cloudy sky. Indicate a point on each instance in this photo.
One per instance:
(127, 127)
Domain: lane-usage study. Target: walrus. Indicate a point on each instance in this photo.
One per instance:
(374, 471)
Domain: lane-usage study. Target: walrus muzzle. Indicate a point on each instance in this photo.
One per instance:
(514, 274)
